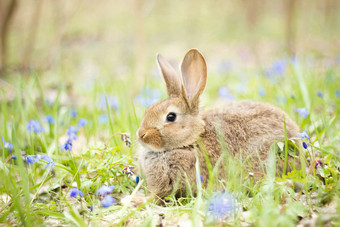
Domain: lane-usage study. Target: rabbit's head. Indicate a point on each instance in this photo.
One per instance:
(175, 122)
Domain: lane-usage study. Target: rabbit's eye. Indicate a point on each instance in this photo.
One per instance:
(171, 117)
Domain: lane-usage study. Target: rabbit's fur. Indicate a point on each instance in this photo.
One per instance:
(167, 155)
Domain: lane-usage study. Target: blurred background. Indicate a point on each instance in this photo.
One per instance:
(65, 64)
(79, 50)
(54, 36)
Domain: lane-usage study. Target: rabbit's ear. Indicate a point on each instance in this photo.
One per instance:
(194, 74)
(172, 80)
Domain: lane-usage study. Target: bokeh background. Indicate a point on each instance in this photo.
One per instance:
(111, 38)
(74, 74)
(77, 52)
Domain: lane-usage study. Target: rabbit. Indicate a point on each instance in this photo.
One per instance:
(172, 129)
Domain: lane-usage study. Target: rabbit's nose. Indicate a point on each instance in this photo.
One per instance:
(141, 133)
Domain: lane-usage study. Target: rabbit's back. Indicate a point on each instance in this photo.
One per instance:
(248, 127)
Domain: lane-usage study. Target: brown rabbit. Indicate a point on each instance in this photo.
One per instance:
(172, 129)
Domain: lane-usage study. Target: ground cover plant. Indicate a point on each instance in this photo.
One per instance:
(62, 165)
(69, 116)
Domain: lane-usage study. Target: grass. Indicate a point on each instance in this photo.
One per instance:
(32, 194)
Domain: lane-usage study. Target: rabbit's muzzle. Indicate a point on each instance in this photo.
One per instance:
(150, 137)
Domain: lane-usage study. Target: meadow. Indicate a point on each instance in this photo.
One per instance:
(69, 117)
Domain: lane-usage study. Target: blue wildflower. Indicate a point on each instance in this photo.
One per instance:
(67, 145)
(108, 201)
(104, 190)
(103, 118)
(14, 157)
(34, 126)
(262, 92)
(302, 112)
(112, 101)
(50, 120)
(73, 137)
(337, 93)
(73, 113)
(75, 192)
(201, 178)
(277, 69)
(30, 159)
(72, 130)
(137, 179)
(224, 93)
(221, 205)
(50, 163)
(303, 135)
(7, 145)
(304, 144)
(320, 94)
(82, 122)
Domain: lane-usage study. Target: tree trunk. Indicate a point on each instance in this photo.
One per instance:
(7, 13)
(291, 26)
(32, 34)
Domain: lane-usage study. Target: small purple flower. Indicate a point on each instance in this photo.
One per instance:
(302, 112)
(50, 163)
(221, 205)
(277, 69)
(67, 145)
(72, 130)
(30, 159)
(82, 122)
(303, 135)
(304, 144)
(34, 126)
(128, 170)
(73, 137)
(201, 178)
(104, 190)
(108, 201)
(318, 164)
(262, 92)
(224, 93)
(73, 113)
(126, 138)
(320, 94)
(50, 120)
(337, 93)
(7, 145)
(75, 192)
